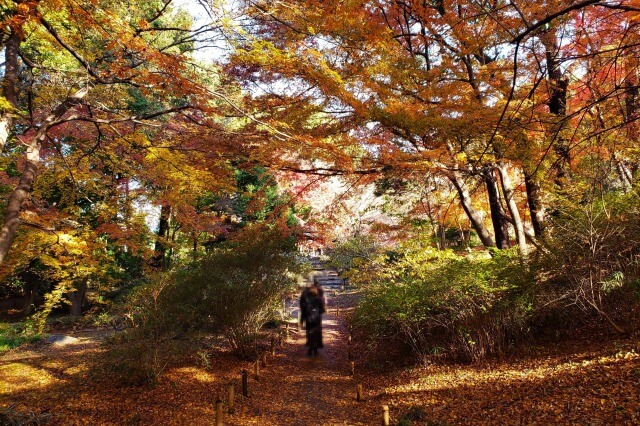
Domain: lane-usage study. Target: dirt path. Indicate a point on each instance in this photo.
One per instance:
(586, 381)
(293, 390)
(299, 390)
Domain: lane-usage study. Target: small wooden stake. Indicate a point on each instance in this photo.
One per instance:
(350, 354)
(232, 399)
(219, 413)
(349, 339)
(359, 393)
(245, 382)
(256, 370)
(352, 364)
(273, 345)
(385, 415)
(264, 359)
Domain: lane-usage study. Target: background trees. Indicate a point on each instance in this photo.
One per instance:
(106, 114)
(499, 120)
(468, 91)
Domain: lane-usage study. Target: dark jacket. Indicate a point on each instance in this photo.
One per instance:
(312, 307)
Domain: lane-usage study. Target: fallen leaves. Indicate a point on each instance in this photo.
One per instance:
(578, 382)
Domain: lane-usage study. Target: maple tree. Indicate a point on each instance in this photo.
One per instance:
(106, 113)
(455, 88)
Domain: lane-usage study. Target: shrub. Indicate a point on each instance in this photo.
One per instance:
(233, 291)
(592, 263)
(239, 288)
(352, 255)
(14, 335)
(437, 301)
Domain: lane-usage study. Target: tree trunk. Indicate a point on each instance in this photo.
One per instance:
(194, 235)
(160, 249)
(534, 201)
(9, 87)
(442, 236)
(631, 100)
(623, 173)
(558, 85)
(30, 291)
(77, 298)
(472, 214)
(507, 189)
(20, 194)
(500, 226)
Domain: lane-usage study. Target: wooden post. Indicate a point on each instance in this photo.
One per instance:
(273, 345)
(352, 364)
(232, 399)
(264, 359)
(219, 413)
(385, 415)
(359, 392)
(256, 369)
(299, 321)
(245, 383)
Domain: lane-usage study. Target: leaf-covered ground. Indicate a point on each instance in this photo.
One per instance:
(579, 382)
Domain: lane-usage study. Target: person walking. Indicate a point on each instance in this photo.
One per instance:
(312, 306)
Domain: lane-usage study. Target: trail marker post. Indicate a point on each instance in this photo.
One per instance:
(232, 399)
(385, 415)
(219, 413)
(245, 383)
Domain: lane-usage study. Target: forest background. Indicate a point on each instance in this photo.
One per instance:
(472, 164)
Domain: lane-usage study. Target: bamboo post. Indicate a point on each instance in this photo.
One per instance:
(245, 383)
(359, 393)
(352, 366)
(256, 369)
(219, 413)
(232, 399)
(385, 415)
(264, 359)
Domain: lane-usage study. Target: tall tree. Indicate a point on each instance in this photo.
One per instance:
(423, 83)
(89, 64)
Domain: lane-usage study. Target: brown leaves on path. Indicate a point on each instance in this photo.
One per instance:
(577, 382)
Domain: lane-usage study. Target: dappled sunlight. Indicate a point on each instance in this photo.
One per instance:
(566, 385)
(20, 377)
(554, 389)
(192, 373)
(439, 377)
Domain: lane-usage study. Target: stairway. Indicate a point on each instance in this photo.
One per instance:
(327, 278)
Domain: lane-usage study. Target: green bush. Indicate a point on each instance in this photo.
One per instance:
(233, 291)
(14, 335)
(353, 254)
(437, 301)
